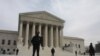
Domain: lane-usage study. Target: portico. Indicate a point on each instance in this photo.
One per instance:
(49, 26)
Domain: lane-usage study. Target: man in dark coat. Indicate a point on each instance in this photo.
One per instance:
(52, 51)
(91, 50)
(4, 52)
(36, 42)
(76, 53)
(17, 51)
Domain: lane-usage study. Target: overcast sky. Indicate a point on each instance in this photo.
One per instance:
(82, 16)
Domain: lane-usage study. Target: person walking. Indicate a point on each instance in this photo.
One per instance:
(76, 53)
(52, 51)
(36, 42)
(4, 52)
(84, 53)
(17, 51)
(91, 50)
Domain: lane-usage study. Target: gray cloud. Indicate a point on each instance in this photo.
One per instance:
(81, 16)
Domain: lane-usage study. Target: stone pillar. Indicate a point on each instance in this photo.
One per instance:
(27, 33)
(33, 30)
(51, 36)
(20, 32)
(40, 29)
(56, 38)
(61, 36)
(46, 35)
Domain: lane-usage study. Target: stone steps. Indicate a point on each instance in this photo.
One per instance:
(24, 51)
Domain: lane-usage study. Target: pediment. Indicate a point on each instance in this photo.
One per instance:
(43, 15)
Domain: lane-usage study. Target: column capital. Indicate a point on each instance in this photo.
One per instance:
(40, 23)
(62, 27)
(46, 24)
(27, 22)
(21, 21)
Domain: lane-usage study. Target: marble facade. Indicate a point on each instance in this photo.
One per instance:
(49, 26)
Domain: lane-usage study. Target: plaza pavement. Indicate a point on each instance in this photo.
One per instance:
(78, 55)
(18, 55)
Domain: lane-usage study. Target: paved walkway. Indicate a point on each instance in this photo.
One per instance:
(18, 55)
(95, 55)
(15, 55)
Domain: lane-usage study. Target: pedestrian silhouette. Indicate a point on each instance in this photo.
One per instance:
(4, 52)
(17, 51)
(84, 53)
(36, 42)
(52, 51)
(63, 48)
(91, 50)
(76, 53)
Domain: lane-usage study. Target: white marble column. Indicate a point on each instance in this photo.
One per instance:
(51, 36)
(27, 33)
(33, 30)
(46, 36)
(61, 36)
(56, 38)
(40, 29)
(20, 32)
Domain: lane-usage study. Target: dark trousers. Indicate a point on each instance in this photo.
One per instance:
(76, 54)
(91, 54)
(52, 54)
(16, 53)
(35, 48)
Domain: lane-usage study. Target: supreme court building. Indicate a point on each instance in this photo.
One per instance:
(50, 28)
